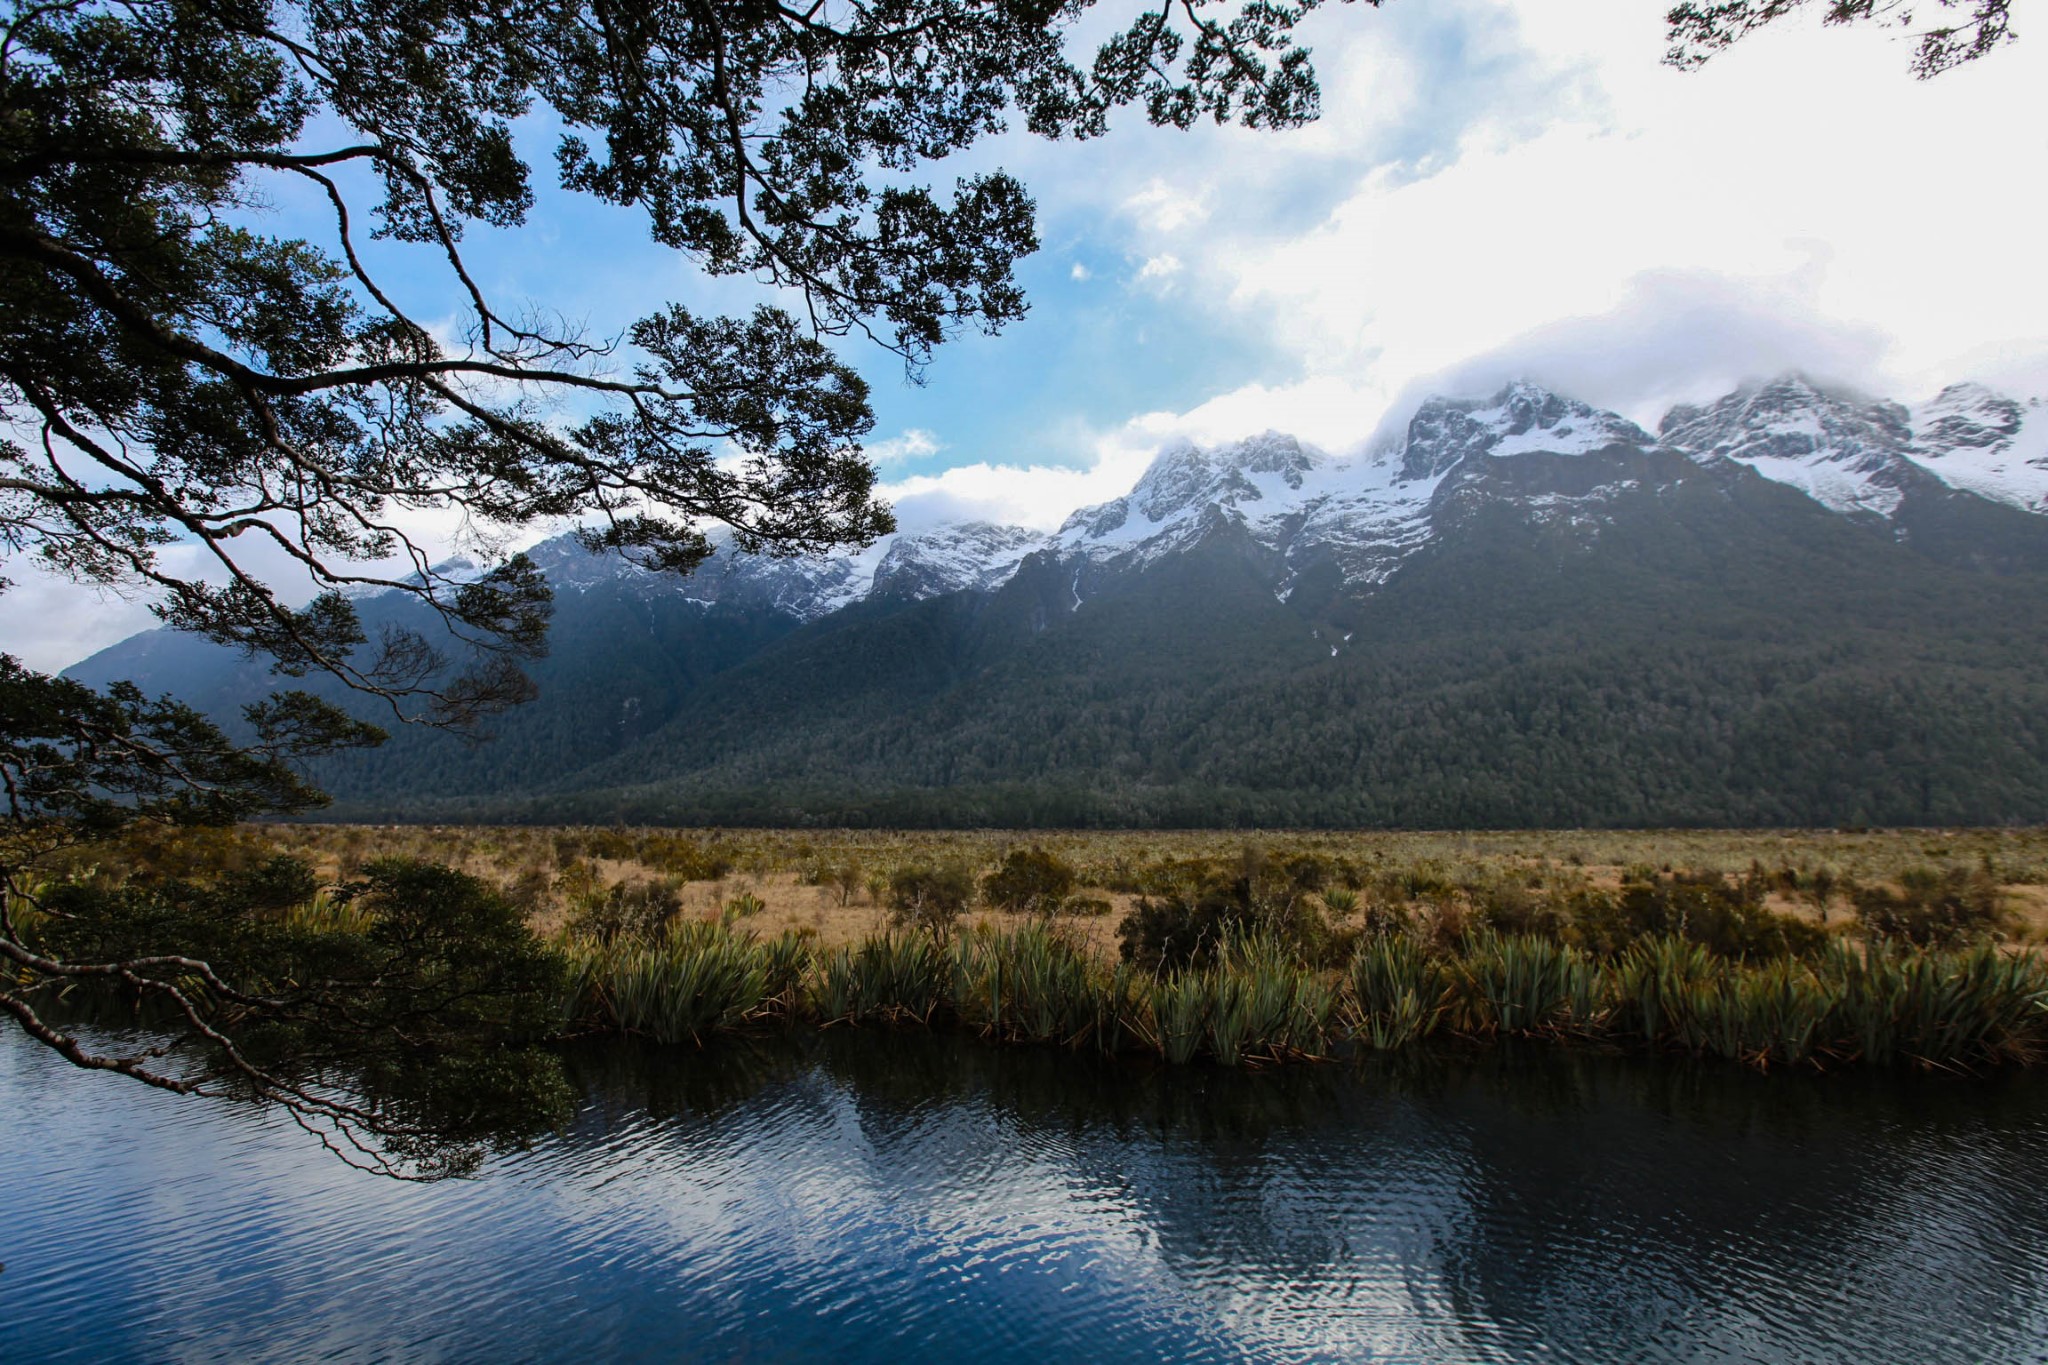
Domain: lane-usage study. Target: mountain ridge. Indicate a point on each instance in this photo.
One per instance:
(1526, 611)
(1854, 455)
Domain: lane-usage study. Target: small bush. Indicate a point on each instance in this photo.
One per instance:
(638, 911)
(847, 877)
(279, 882)
(1029, 880)
(930, 896)
(1509, 907)
(1725, 914)
(1175, 932)
(528, 892)
(1932, 909)
(1187, 927)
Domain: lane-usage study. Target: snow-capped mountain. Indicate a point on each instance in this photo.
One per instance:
(1792, 604)
(1846, 452)
(1864, 456)
(1522, 418)
(925, 564)
(1994, 446)
(1264, 484)
(974, 554)
(1365, 513)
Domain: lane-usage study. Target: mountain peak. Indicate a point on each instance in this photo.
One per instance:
(1848, 451)
(1521, 418)
(1967, 416)
(1183, 475)
(968, 554)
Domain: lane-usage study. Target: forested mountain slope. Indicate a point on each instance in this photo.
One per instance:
(1524, 612)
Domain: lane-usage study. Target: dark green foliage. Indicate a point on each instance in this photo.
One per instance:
(1724, 914)
(1208, 906)
(1722, 656)
(633, 909)
(930, 896)
(408, 1013)
(1931, 908)
(1701, 28)
(1030, 880)
(277, 883)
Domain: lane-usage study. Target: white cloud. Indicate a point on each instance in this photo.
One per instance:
(50, 623)
(1035, 495)
(1161, 268)
(913, 443)
(1631, 232)
(1163, 207)
(1080, 273)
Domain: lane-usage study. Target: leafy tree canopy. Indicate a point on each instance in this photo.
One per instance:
(1963, 31)
(175, 373)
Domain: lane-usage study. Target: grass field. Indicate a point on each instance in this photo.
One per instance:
(828, 882)
(1772, 948)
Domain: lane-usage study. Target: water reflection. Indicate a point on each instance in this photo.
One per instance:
(864, 1197)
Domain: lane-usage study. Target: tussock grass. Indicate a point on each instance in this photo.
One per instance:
(1280, 947)
(1257, 1003)
(682, 986)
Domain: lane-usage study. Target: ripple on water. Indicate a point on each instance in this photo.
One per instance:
(1016, 1206)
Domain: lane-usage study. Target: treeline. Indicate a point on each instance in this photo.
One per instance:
(1707, 655)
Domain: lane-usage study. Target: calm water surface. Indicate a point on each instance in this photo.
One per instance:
(891, 1198)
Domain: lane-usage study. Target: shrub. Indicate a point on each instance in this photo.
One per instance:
(1931, 909)
(1508, 907)
(847, 877)
(277, 883)
(1724, 914)
(638, 911)
(1187, 927)
(1176, 932)
(930, 896)
(1030, 880)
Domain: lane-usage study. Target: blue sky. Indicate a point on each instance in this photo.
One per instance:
(1498, 188)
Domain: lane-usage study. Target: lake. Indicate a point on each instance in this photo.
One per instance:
(890, 1197)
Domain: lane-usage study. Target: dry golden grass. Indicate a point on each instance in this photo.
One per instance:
(791, 871)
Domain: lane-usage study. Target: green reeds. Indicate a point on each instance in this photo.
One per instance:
(1520, 984)
(1257, 1002)
(894, 978)
(678, 988)
(1029, 985)
(1400, 993)
(1180, 1014)
(1945, 1009)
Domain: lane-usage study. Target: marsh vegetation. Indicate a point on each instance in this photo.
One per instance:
(1818, 949)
